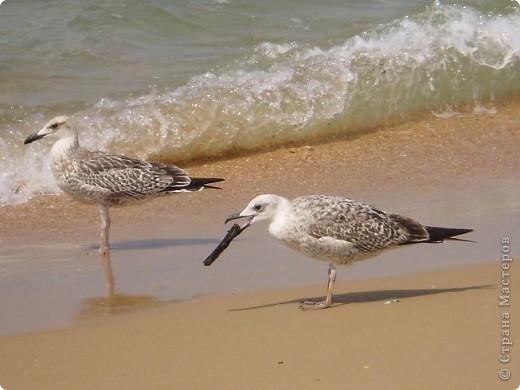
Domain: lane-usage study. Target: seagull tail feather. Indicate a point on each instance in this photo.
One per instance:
(198, 183)
(439, 234)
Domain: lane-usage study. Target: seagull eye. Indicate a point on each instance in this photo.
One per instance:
(54, 126)
(257, 207)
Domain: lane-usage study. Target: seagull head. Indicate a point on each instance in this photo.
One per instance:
(262, 208)
(56, 128)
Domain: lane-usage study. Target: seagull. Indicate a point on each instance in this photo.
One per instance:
(105, 179)
(338, 230)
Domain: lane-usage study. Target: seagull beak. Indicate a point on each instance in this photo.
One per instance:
(238, 216)
(34, 137)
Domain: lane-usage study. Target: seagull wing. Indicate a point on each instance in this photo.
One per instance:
(121, 178)
(364, 227)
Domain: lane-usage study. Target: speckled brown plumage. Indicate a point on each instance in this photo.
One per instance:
(338, 230)
(102, 178)
(106, 179)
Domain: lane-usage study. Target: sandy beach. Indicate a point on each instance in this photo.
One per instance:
(443, 332)
(154, 317)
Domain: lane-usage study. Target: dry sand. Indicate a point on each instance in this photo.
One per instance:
(246, 331)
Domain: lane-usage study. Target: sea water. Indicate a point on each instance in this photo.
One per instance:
(184, 80)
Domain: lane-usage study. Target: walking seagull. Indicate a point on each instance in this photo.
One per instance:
(105, 179)
(336, 229)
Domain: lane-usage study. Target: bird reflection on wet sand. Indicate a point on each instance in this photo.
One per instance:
(112, 302)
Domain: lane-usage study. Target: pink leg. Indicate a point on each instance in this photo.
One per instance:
(104, 247)
(311, 305)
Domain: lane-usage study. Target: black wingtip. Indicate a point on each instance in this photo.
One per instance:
(439, 234)
(200, 181)
(203, 182)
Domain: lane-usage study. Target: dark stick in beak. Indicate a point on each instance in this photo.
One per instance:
(33, 137)
(231, 234)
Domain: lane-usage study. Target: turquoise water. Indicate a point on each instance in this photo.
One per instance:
(188, 79)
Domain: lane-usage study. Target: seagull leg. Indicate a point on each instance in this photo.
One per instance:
(313, 305)
(104, 247)
(108, 275)
(332, 279)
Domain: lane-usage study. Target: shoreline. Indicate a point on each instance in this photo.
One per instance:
(482, 147)
(50, 243)
(154, 316)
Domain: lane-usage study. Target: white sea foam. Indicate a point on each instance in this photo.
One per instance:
(279, 92)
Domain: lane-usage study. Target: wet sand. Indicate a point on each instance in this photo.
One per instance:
(443, 333)
(154, 317)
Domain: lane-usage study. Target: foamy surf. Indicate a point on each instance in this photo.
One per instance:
(441, 60)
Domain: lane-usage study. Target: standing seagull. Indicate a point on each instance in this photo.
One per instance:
(337, 230)
(105, 179)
